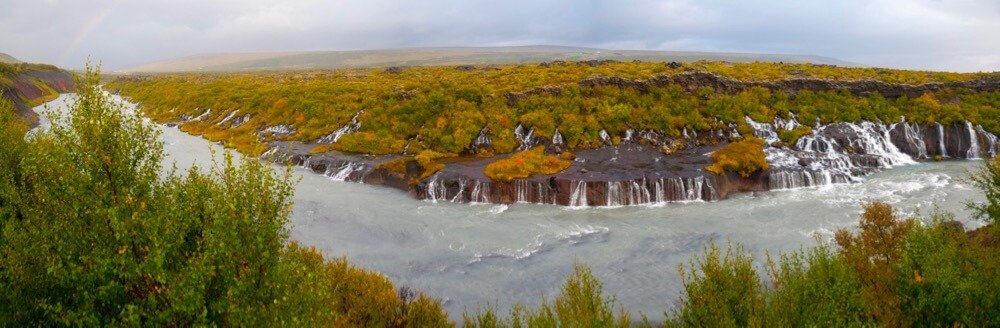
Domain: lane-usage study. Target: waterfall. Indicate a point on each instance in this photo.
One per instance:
(353, 126)
(940, 129)
(557, 138)
(640, 192)
(461, 191)
(521, 188)
(199, 117)
(873, 139)
(815, 143)
(578, 194)
(973, 152)
(613, 193)
(991, 141)
(344, 172)
(631, 192)
(789, 124)
(629, 135)
(605, 137)
(436, 190)
(270, 152)
(764, 131)
(661, 197)
(278, 130)
(913, 137)
(228, 117)
(480, 192)
(240, 121)
(792, 179)
(734, 130)
(483, 140)
(693, 187)
(526, 137)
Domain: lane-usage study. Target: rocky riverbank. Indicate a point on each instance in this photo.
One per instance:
(33, 87)
(639, 170)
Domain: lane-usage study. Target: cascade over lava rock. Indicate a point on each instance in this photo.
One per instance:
(632, 173)
(625, 165)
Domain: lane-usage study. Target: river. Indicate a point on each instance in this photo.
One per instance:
(477, 254)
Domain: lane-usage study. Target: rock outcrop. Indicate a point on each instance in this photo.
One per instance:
(692, 81)
(33, 86)
(636, 171)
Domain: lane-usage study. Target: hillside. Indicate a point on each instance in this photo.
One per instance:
(8, 59)
(29, 85)
(447, 56)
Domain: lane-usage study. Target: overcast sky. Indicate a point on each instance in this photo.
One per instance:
(955, 35)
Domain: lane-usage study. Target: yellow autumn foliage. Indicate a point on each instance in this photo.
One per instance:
(524, 164)
(744, 157)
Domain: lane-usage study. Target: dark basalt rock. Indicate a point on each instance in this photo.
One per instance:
(393, 70)
(638, 172)
(514, 97)
(692, 81)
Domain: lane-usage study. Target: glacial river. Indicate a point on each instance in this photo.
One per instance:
(476, 254)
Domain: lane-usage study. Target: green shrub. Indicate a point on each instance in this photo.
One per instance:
(95, 233)
(580, 303)
(790, 137)
(721, 289)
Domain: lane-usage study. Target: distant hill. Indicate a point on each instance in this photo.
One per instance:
(447, 56)
(8, 59)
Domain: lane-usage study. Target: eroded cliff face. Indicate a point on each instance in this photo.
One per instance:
(639, 171)
(32, 87)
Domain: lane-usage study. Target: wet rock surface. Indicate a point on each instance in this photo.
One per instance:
(638, 170)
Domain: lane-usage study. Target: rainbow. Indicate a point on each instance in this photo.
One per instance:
(85, 30)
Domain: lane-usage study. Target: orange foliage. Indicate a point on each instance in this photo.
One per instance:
(875, 253)
(524, 164)
(745, 157)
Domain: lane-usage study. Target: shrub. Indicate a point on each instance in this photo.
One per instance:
(946, 276)
(524, 164)
(987, 179)
(95, 233)
(580, 303)
(874, 253)
(745, 157)
(721, 290)
(790, 137)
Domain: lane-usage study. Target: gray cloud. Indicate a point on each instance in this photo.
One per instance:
(920, 34)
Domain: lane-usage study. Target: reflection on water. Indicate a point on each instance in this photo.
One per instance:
(483, 253)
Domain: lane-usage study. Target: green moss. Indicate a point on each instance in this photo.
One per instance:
(790, 137)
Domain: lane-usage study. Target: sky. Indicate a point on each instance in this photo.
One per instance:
(950, 35)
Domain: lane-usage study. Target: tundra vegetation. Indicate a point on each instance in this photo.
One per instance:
(443, 109)
(94, 232)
